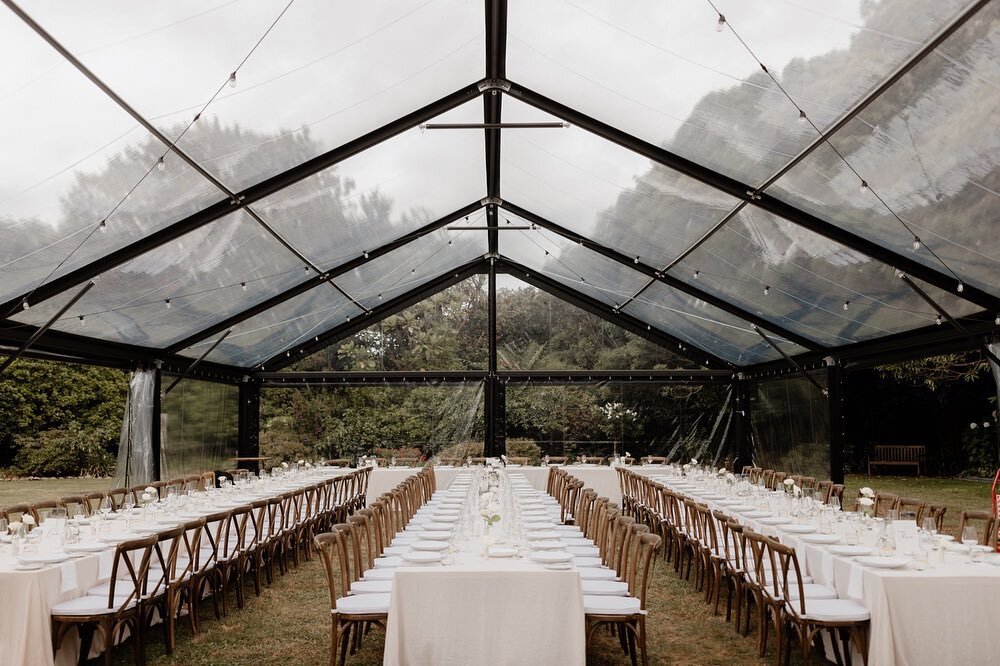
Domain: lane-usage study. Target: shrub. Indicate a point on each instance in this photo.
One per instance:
(400, 452)
(523, 447)
(69, 451)
(462, 450)
(283, 446)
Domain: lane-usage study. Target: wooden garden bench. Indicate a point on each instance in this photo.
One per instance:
(898, 455)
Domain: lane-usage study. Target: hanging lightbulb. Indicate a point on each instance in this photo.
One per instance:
(167, 301)
(802, 117)
(380, 297)
(916, 243)
(961, 286)
(720, 24)
(83, 321)
(846, 304)
(232, 80)
(366, 254)
(103, 226)
(696, 274)
(938, 320)
(767, 289)
(636, 258)
(997, 320)
(24, 305)
(160, 164)
(864, 186)
(243, 286)
(583, 279)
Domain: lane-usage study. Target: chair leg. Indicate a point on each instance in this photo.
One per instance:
(86, 640)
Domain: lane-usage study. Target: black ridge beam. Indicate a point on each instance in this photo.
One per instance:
(194, 364)
(655, 274)
(315, 280)
(102, 352)
(246, 197)
(319, 377)
(288, 356)
(621, 320)
(627, 376)
(791, 360)
(745, 193)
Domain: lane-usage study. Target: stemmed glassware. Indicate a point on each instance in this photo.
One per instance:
(970, 538)
(105, 507)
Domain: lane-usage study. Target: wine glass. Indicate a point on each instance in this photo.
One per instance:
(970, 538)
(129, 502)
(105, 507)
(929, 526)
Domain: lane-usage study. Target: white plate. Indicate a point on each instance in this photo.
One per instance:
(85, 547)
(548, 544)
(798, 529)
(501, 551)
(731, 502)
(535, 525)
(758, 514)
(741, 508)
(28, 566)
(851, 551)
(775, 520)
(435, 536)
(438, 527)
(439, 518)
(42, 558)
(551, 556)
(422, 557)
(713, 497)
(882, 562)
(824, 539)
(429, 545)
(541, 535)
(945, 537)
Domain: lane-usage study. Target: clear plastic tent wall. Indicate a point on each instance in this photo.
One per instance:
(135, 446)
(790, 426)
(198, 428)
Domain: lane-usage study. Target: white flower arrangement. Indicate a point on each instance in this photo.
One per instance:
(686, 467)
(789, 482)
(28, 519)
(146, 497)
(223, 478)
(14, 526)
(722, 471)
(628, 455)
(302, 462)
(694, 461)
(867, 492)
(796, 490)
(284, 465)
(866, 501)
(149, 489)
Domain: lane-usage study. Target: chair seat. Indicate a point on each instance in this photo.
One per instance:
(371, 587)
(597, 573)
(363, 604)
(584, 551)
(576, 541)
(587, 562)
(380, 574)
(612, 588)
(396, 550)
(833, 610)
(608, 605)
(88, 605)
(812, 591)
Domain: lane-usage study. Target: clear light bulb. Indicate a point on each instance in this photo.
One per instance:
(696, 274)
(802, 117)
(243, 286)
(864, 186)
(938, 320)
(961, 286)
(846, 304)
(25, 305)
(167, 301)
(996, 321)
(160, 164)
(366, 255)
(636, 258)
(916, 244)
(83, 321)
(767, 289)
(380, 297)
(232, 80)
(720, 24)
(103, 226)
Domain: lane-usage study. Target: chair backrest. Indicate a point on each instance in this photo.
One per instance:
(169, 544)
(558, 460)
(824, 487)
(755, 474)
(884, 502)
(777, 479)
(337, 462)
(837, 490)
(42, 507)
(15, 512)
(911, 508)
(732, 533)
(937, 511)
(592, 460)
(333, 549)
(767, 478)
(130, 570)
(117, 496)
(807, 482)
(638, 573)
(988, 534)
(786, 575)
(75, 505)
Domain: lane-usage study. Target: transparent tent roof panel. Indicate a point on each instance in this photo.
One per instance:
(71, 158)
(808, 280)
(929, 147)
(298, 93)
(704, 326)
(575, 266)
(421, 260)
(664, 74)
(292, 323)
(384, 192)
(206, 275)
(598, 189)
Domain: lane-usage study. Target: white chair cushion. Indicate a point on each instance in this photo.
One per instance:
(812, 591)
(387, 562)
(833, 610)
(371, 587)
(576, 541)
(607, 605)
(597, 573)
(380, 574)
(587, 562)
(363, 604)
(584, 551)
(612, 588)
(87, 605)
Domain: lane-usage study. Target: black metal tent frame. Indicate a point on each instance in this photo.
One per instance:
(493, 89)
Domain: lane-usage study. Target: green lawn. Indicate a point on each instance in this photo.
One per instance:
(289, 623)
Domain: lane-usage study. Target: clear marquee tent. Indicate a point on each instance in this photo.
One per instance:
(775, 191)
